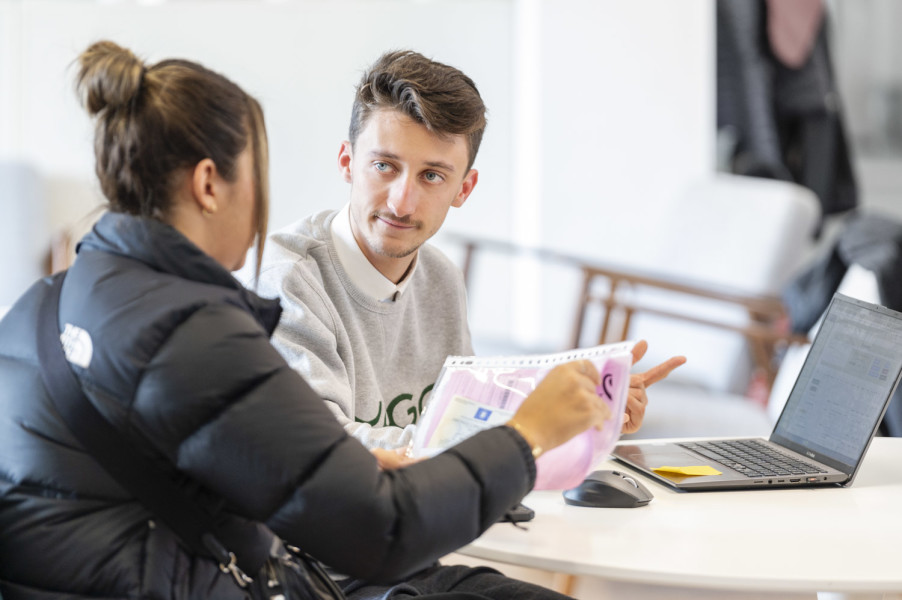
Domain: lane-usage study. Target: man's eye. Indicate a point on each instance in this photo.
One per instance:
(433, 177)
(381, 166)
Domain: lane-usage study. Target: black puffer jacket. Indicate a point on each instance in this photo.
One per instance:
(180, 359)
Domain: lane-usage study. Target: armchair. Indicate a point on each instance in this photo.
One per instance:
(24, 229)
(729, 246)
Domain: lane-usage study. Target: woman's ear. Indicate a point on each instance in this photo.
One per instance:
(204, 187)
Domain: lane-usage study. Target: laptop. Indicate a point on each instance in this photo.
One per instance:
(827, 424)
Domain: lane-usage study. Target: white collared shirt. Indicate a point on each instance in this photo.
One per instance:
(359, 269)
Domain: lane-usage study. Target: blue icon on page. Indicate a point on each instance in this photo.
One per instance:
(483, 414)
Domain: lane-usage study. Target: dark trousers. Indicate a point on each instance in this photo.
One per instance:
(453, 582)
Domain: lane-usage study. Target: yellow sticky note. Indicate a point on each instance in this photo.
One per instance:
(692, 471)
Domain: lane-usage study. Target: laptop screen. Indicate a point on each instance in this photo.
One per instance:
(840, 396)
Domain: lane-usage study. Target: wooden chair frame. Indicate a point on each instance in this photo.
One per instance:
(766, 332)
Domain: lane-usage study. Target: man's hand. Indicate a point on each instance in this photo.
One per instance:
(637, 399)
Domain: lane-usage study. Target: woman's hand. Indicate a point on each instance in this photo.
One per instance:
(392, 459)
(564, 404)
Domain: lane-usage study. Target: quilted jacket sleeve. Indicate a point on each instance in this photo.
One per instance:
(222, 404)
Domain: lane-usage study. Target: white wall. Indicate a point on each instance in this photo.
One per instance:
(619, 98)
(628, 99)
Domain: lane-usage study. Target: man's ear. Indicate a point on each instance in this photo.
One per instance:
(345, 159)
(203, 185)
(466, 188)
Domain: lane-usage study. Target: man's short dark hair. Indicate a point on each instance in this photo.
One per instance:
(436, 95)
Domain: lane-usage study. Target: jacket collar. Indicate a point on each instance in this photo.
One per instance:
(165, 249)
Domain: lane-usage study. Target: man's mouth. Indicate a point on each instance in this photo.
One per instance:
(396, 223)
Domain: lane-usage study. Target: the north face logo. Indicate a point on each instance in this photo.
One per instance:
(77, 345)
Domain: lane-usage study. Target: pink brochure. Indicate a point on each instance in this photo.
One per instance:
(474, 393)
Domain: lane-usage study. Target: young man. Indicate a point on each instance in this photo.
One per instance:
(370, 310)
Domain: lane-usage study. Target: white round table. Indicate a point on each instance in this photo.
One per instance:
(799, 540)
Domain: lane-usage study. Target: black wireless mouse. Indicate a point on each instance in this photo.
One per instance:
(609, 489)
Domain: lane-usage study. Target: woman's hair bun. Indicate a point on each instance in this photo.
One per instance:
(109, 76)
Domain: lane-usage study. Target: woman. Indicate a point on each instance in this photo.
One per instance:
(175, 353)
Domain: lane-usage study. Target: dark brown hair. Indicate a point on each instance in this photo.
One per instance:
(154, 122)
(431, 93)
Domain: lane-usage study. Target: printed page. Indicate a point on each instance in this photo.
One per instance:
(474, 393)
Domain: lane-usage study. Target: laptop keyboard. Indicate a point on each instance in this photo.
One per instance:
(752, 458)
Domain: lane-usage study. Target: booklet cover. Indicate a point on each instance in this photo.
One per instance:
(475, 393)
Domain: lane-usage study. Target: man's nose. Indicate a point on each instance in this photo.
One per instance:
(402, 196)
